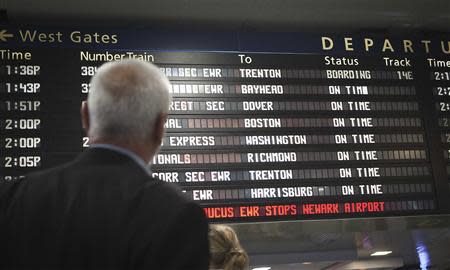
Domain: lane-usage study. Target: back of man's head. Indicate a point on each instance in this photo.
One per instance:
(125, 100)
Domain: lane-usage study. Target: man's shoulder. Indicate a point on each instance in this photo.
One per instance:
(170, 191)
(35, 182)
(47, 172)
(168, 204)
(46, 175)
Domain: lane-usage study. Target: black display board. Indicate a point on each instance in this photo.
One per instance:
(263, 126)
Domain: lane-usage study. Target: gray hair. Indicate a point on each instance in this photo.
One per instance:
(125, 99)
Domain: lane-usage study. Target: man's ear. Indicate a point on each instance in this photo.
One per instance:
(159, 127)
(84, 111)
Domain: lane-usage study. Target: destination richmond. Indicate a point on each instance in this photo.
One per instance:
(163, 159)
(272, 157)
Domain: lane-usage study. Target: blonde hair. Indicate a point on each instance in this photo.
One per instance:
(225, 250)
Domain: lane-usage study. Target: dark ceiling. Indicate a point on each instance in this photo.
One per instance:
(240, 15)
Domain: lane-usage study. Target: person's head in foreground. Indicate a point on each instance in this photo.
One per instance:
(127, 106)
(226, 251)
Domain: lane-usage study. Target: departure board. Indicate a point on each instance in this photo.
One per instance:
(262, 126)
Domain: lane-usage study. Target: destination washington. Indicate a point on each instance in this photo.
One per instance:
(275, 139)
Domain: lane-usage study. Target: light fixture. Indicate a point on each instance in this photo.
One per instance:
(306, 262)
(381, 253)
(262, 268)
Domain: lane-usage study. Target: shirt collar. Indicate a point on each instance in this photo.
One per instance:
(139, 161)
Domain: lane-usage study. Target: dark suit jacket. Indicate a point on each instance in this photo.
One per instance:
(101, 211)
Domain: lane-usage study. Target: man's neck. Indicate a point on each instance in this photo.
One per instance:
(138, 149)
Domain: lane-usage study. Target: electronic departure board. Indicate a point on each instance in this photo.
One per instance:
(263, 126)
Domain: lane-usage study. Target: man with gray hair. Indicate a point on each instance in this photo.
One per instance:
(104, 210)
